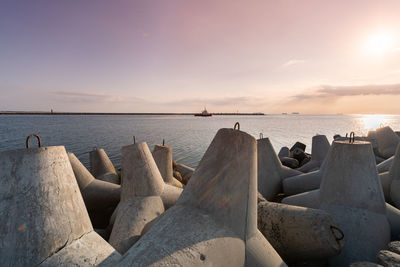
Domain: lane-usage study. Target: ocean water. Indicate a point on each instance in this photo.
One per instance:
(188, 136)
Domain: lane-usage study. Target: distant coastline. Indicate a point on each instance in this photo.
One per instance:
(119, 113)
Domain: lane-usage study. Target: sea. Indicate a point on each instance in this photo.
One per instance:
(189, 136)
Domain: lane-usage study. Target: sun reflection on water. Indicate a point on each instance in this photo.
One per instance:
(371, 122)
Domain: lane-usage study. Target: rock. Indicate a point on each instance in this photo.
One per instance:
(178, 176)
(298, 154)
(394, 247)
(306, 160)
(185, 171)
(284, 152)
(388, 258)
(365, 264)
(298, 145)
(290, 162)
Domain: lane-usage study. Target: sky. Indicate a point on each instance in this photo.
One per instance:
(309, 56)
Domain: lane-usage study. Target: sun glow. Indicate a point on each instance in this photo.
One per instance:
(379, 43)
(372, 122)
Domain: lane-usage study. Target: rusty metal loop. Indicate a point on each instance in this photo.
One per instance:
(261, 136)
(352, 137)
(163, 142)
(347, 135)
(134, 139)
(340, 232)
(29, 137)
(238, 126)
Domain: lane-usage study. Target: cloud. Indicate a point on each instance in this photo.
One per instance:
(82, 97)
(327, 92)
(293, 62)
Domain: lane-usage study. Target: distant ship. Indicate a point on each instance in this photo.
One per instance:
(295, 113)
(204, 113)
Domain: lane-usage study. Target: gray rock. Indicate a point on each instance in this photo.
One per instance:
(388, 258)
(298, 145)
(290, 162)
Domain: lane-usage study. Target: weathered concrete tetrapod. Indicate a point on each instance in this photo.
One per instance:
(387, 141)
(162, 155)
(394, 178)
(385, 165)
(319, 150)
(352, 193)
(304, 182)
(142, 186)
(43, 214)
(271, 172)
(101, 198)
(298, 233)
(214, 222)
(102, 167)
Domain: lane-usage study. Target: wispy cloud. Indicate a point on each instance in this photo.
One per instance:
(293, 62)
(327, 92)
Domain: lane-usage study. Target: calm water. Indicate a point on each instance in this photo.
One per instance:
(189, 136)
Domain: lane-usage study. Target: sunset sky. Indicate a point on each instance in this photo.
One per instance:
(309, 56)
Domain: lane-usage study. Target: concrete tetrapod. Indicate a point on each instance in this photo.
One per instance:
(142, 186)
(214, 222)
(385, 165)
(394, 176)
(387, 141)
(319, 150)
(271, 172)
(299, 233)
(304, 182)
(101, 198)
(102, 167)
(43, 214)
(351, 192)
(162, 155)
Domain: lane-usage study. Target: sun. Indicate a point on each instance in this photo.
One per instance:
(379, 43)
(373, 121)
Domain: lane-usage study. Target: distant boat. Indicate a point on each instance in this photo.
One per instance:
(284, 113)
(295, 113)
(204, 113)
